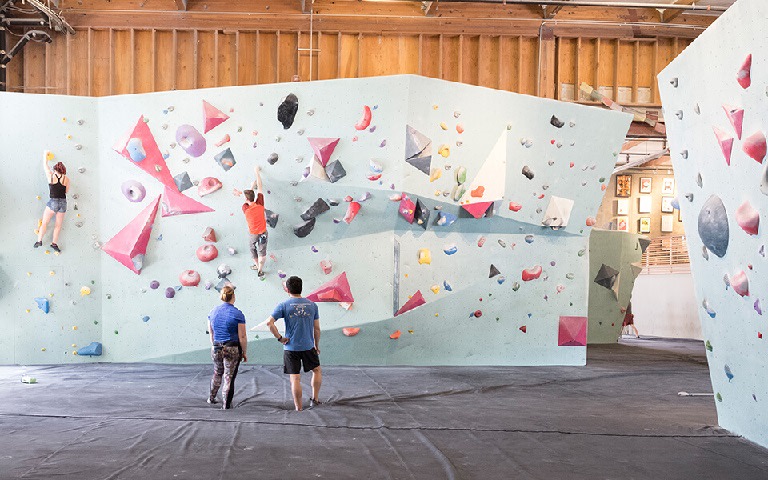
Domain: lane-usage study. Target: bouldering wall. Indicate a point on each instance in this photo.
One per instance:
(360, 175)
(67, 126)
(716, 103)
(614, 264)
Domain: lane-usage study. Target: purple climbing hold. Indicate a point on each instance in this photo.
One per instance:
(170, 292)
(154, 284)
(758, 308)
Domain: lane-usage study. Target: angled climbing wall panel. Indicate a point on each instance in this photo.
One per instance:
(724, 183)
(449, 223)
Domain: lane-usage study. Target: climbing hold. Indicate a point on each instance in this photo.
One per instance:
(710, 311)
(764, 180)
(726, 143)
(350, 331)
(352, 210)
(416, 300)
(407, 208)
(271, 217)
(191, 140)
(446, 286)
(736, 117)
(209, 235)
(183, 182)
(757, 306)
(154, 284)
(445, 219)
(444, 150)
(272, 158)
(572, 331)
(326, 266)
(435, 174)
(532, 273)
(748, 218)
(84, 291)
(529, 239)
(744, 75)
(135, 150)
(425, 256)
(450, 249)
(335, 171)
(208, 185)
(591, 221)
(556, 122)
(323, 148)
(435, 289)
(740, 283)
(493, 271)
(713, 226)
(558, 212)
(674, 82)
(189, 278)
(501, 279)
(365, 120)
(679, 114)
(705, 252)
(206, 253)
(320, 206)
(93, 349)
(395, 335)
(303, 229)
(477, 314)
(170, 292)
(607, 277)
(515, 207)
(728, 373)
(755, 146)
(421, 214)
(528, 173)
(43, 304)
(335, 290)
(133, 190)
(286, 111)
(418, 149)
(523, 329)
(223, 270)
(225, 159)
(145, 318)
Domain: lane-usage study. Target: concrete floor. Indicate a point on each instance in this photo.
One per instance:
(619, 417)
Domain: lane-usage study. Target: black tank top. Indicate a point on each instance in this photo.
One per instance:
(58, 189)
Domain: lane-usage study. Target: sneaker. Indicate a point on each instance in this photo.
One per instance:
(38, 244)
(254, 267)
(212, 401)
(225, 407)
(314, 403)
(261, 274)
(55, 248)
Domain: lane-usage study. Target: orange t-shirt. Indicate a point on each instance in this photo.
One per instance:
(254, 215)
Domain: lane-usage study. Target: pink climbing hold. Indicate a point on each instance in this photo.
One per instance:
(740, 283)
(478, 209)
(755, 146)
(350, 331)
(323, 148)
(407, 208)
(416, 300)
(209, 235)
(744, 77)
(189, 278)
(223, 140)
(213, 116)
(326, 266)
(748, 218)
(524, 329)
(352, 210)
(591, 221)
(572, 332)
(726, 143)
(208, 185)
(129, 245)
(206, 253)
(336, 290)
(736, 117)
(532, 273)
(515, 207)
(365, 120)
(176, 203)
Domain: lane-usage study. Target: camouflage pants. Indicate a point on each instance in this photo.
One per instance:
(226, 360)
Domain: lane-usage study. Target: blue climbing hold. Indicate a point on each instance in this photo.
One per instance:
(728, 373)
(713, 226)
(445, 219)
(446, 286)
(145, 318)
(91, 350)
(136, 150)
(43, 304)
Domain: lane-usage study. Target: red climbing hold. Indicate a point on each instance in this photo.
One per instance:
(744, 77)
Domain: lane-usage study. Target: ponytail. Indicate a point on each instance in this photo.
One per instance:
(227, 294)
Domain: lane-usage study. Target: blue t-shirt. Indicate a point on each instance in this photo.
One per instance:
(224, 320)
(300, 315)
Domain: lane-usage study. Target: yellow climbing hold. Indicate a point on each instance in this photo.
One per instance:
(85, 291)
(39, 222)
(74, 352)
(437, 314)
(435, 288)
(50, 294)
(443, 126)
(42, 349)
(425, 256)
(74, 345)
(69, 137)
(49, 156)
(27, 310)
(434, 107)
(410, 331)
(29, 274)
(444, 150)
(47, 252)
(435, 173)
(51, 273)
(74, 327)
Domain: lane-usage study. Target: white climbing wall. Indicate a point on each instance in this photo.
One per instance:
(731, 276)
(512, 318)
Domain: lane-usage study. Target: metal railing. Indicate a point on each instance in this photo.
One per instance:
(666, 255)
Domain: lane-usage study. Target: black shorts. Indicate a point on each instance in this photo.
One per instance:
(292, 361)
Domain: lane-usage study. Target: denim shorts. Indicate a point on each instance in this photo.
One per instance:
(58, 205)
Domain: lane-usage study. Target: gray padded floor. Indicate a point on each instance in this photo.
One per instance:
(620, 417)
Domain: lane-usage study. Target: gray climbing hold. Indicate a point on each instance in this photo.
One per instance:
(421, 214)
(528, 172)
(556, 122)
(183, 182)
(303, 229)
(689, 197)
(700, 180)
(764, 179)
(272, 218)
(674, 82)
(697, 109)
(286, 111)
(684, 154)
(335, 171)
(644, 243)
(272, 158)
(494, 271)
(679, 114)
(705, 253)
(713, 226)
(315, 209)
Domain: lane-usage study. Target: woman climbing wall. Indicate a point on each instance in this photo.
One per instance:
(58, 184)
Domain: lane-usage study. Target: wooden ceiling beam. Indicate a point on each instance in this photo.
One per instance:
(670, 15)
(180, 4)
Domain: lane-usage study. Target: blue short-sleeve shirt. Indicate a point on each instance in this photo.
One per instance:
(300, 315)
(224, 320)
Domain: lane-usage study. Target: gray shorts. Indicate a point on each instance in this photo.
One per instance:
(258, 245)
(58, 205)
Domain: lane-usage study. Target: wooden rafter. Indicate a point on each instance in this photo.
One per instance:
(670, 15)
(181, 4)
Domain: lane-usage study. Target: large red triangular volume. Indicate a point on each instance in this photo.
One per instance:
(416, 300)
(323, 148)
(726, 143)
(572, 332)
(736, 117)
(176, 203)
(139, 146)
(213, 116)
(130, 244)
(478, 209)
(337, 290)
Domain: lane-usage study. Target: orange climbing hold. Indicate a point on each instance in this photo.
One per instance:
(395, 335)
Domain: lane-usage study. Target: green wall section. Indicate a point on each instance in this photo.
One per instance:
(698, 89)
(519, 322)
(618, 250)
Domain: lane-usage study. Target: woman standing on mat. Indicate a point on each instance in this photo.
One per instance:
(58, 184)
(226, 324)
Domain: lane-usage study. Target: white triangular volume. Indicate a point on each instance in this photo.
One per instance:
(492, 176)
(558, 212)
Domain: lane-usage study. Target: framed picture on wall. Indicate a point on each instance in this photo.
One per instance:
(622, 224)
(668, 186)
(622, 206)
(666, 205)
(623, 185)
(644, 204)
(645, 184)
(667, 223)
(645, 225)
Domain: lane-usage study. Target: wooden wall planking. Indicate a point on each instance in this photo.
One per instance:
(103, 61)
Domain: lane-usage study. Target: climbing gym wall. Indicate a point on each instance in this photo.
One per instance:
(438, 223)
(614, 264)
(717, 112)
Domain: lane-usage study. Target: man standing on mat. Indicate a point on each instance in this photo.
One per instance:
(253, 208)
(301, 341)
